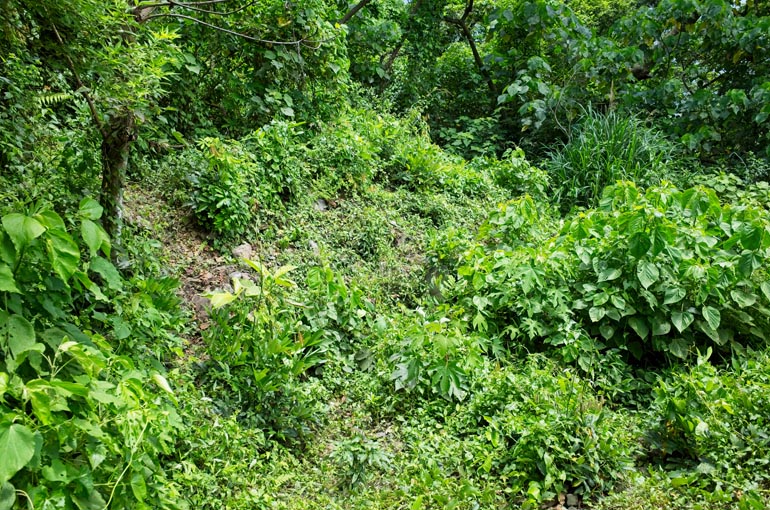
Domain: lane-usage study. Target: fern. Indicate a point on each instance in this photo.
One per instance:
(54, 98)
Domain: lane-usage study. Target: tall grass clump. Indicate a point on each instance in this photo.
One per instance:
(606, 148)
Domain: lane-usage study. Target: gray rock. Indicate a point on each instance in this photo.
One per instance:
(313, 246)
(243, 251)
(572, 500)
(321, 205)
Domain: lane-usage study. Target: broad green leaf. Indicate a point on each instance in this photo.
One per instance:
(618, 302)
(639, 244)
(7, 282)
(660, 327)
(95, 238)
(743, 299)
(21, 335)
(90, 209)
(108, 272)
(63, 252)
(51, 220)
(3, 384)
(609, 274)
(7, 496)
(682, 320)
(640, 326)
(138, 486)
(765, 286)
(596, 313)
(7, 250)
(22, 229)
(679, 348)
(17, 443)
(712, 316)
(647, 272)
(674, 295)
(220, 299)
(606, 331)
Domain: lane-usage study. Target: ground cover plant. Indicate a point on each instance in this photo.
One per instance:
(421, 255)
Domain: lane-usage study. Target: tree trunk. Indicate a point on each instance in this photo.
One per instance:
(117, 136)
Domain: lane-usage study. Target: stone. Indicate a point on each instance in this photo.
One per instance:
(572, 500)
(321, 205)
(243, 251)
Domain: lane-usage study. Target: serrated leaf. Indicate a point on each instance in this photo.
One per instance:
(90, 209)
(682, 320)
(7, 282)
(647, 272)
(712, 316)
(22, 229)
(17, 443)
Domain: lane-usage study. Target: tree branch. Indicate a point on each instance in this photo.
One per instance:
(352, 12)
(232, 32)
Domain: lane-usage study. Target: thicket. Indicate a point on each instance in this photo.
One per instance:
(501, 254)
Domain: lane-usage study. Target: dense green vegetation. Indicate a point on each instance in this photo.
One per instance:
(411, 255)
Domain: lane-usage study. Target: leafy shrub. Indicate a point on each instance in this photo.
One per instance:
(607, 148)
(546, 432)
(81, 426)
(717, 420)
(220, 192)
(515, 174)
(668, 271)
(358, 457)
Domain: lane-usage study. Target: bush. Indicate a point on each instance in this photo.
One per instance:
(607, 148)
(546, 432)
(667, 272)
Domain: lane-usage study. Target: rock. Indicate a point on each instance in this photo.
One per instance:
(313, 246)
(572, 500)
(321, 205)
(243, 251)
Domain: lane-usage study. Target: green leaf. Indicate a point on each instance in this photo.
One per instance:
(108, 272)
(679, 348)
(674, 295)
(765, 286)
(596, 313)
(682, 320)
(22, 229)
(17, 443)
(95, 237)
(640, 326)
(7, 283)
(606, 331)
(609, 274)
(660, 327)
(138, 486)
(90, 209)
(7, 496)
(639, 244)
(647, 272)
(21, 335)
(743, 299)
(712, 316)
(63, 252)
(220, 299)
